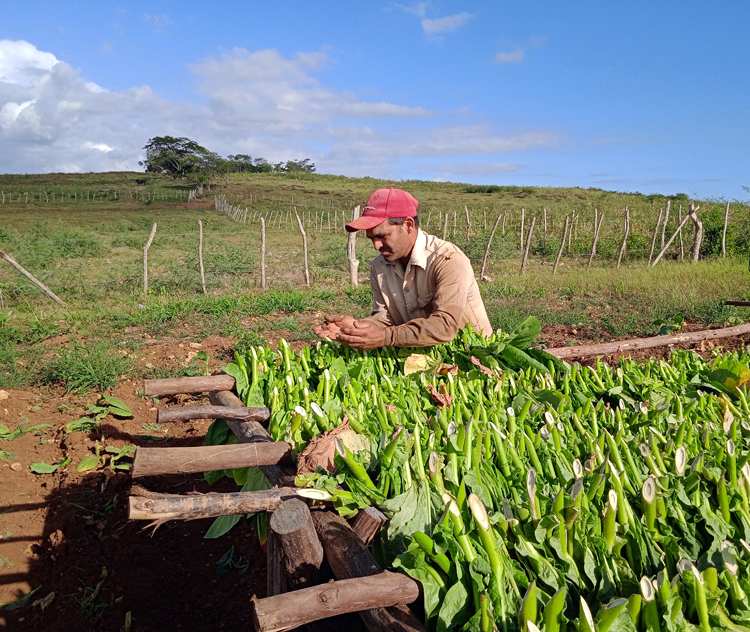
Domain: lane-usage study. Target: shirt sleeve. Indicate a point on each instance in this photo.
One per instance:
(379, 314)
(453, 278)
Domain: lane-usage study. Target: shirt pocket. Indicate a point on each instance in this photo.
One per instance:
(424, 301)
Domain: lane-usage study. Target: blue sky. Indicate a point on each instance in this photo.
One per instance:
(629, 96)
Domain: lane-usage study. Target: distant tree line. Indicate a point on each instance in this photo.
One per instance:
(182, 157)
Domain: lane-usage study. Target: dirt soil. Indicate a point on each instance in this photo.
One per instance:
(67, 533)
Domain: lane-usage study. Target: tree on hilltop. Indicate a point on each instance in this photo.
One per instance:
(179, 157)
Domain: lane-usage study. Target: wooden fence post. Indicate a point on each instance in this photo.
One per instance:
(31, 277)
(698, 239)
(626, 230)
(528, 245)
(523, 217)
(445, 226)
(262, 254)
(682, 243)
(487, 250)
(562, 244)
(671, 239)
(724, 234)
(351, 254)
(200, 255)
(656, 232)
(468, 223)
(597, 228)
(304, 245)
(664, 225)
(145, 258)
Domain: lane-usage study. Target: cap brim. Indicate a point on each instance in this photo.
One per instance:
(364, 223)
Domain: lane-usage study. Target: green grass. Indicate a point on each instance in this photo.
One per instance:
(90, 253)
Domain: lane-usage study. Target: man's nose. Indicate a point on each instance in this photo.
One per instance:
(377, 244)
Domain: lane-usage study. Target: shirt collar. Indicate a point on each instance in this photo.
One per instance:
(419, 252)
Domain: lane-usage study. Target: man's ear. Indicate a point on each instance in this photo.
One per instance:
(409, 224)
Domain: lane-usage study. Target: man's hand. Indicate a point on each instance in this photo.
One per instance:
(362, 334)
(332, 326)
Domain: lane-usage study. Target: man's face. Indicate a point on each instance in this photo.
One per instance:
(392, 241)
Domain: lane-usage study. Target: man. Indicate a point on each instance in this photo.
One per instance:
(423, 288)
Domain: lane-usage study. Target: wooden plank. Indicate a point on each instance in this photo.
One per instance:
(187, 413)
(292, 609)
(180, 385)
(624, 346)
(157, 461)
(348, 557)
(145, 505)
(252, 432)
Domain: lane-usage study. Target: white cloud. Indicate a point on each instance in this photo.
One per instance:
(261, 103)
(447, 24)
(22, 63)
(419, 9)
(98, 146)
(513, 57)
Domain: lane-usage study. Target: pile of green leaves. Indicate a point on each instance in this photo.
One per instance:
(524, 493)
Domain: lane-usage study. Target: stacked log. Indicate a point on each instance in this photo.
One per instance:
(320, 570)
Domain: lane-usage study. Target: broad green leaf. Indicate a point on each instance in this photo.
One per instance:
(88, 463)
(117, 407)
(46, 468)
(221, 526)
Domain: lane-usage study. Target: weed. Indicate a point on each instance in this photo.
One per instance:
(84, 368)
(231, 561)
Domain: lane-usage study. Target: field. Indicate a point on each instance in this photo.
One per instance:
(59, 530)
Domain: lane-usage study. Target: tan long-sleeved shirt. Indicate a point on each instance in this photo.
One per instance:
(429, 301)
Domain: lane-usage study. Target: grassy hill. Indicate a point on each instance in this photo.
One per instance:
(83, 234)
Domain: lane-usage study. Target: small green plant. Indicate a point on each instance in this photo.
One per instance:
(154, 427)
(94, 599)
(109, 455)
(18, 603)
(45, 468)
(6, 434)
(666, 327)
(6, 456)
(107, 405)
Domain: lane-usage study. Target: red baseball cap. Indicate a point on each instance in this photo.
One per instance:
(382, 205)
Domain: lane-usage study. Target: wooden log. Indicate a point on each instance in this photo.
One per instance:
(302, 554)
(146, 505)
(208, 458)
(252, 432)
(624, 346)
(348, 557)
(180, 385)
(738, 303)
(276, 583)
(186, 413)
(31, 277)
(290, 610)
(367, 523)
